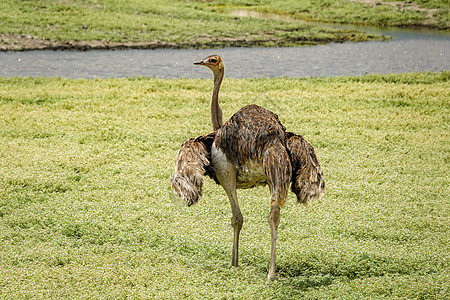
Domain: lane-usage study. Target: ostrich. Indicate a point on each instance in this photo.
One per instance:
(252, 148)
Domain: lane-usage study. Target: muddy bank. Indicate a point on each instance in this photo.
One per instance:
(28, 43)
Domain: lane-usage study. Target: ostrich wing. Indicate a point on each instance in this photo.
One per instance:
(307, 178)
(192, 163)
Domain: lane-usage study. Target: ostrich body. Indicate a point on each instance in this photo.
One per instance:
(252, 148)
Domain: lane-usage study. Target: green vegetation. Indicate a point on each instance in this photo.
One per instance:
(51, 24)
(434, 13)
(57, 24)
(86, 210)
(83, 24)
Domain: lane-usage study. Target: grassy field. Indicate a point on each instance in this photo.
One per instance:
(86, 210)
(435, 14)
(148, 24)
(84, 24)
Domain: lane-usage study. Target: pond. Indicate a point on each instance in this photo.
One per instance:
(413, 51)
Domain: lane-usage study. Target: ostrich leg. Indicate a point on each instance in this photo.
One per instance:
(276, 165)
(236, 221)
(274, 220)
(226, 174)
(229, 185)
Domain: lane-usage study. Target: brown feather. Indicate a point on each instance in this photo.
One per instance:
(307, 180)
(244, 136)
(255, 136)
(192, 163)
(277, 167)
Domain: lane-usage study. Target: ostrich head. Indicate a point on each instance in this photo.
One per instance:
(214, 62)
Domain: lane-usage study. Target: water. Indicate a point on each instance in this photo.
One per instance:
(414, 51)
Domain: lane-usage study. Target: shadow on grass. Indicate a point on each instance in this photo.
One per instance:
(313, 273)
(304, 283)
(293, 280)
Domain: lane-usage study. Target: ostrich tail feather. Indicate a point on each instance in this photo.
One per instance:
(192, 163)
(188, 187)
(308, 181)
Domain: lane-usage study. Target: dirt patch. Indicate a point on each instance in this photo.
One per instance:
(10, 42)
(26, 43)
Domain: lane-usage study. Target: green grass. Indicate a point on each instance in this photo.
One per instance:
(199, 24)
(173, 23)
(86, 210)
(434, 13)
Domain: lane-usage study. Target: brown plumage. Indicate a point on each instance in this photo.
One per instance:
(192, 163)
(251, 148)
(307, 180)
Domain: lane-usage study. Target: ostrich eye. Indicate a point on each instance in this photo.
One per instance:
(213, 60)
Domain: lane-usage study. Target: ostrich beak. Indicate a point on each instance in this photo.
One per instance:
(201, 63)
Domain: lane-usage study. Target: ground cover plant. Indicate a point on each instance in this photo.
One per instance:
(92, 24)
(86, 210)
(418, 13)
(85, 24)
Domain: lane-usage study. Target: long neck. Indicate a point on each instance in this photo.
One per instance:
(216, 111)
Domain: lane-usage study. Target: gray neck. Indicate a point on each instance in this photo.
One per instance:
(216, 111)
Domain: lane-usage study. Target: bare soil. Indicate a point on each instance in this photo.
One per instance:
(10, 42)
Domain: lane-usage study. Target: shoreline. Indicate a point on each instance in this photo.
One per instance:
(31, 43)
(20, 43)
